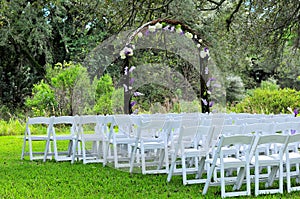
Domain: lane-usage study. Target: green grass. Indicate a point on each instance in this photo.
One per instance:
(26, 179)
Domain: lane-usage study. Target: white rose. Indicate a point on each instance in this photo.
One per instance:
(202, 54)
(158, 25)
(140, 34)
(151, 28)
(189, 35)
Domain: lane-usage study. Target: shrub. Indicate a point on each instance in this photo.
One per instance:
(43, 100)
(104, 92)
(68, 92)
(73, 89)
(269, 101)
(118, 101)
(234, 89)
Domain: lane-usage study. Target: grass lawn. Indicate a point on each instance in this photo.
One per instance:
(26, 179)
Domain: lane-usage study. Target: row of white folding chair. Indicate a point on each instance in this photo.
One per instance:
(125, 137)
(131, 143)
(77, 137)
(275, 160)
(50, 137)
(192, 146)
(168, 133)
(263, 128)
(258, 118)
(123, 140)
(243, 161)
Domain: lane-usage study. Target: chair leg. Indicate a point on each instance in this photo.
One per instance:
(83, 151)
(184, 177)
(171, 170)
(208, 180)
(166, 157)
(240, 178)
(272, 175)
(116, 155)
(248, 180)
(46, 150)
(200, 167)
(281, 178)
(222, 171)
(75, 145)
(132, 157)
(288, 176)
(105, 153)
(160, 156)
(23, 148)
(30, 149)
(256, 179)
(70, 147)
(143, 159)
(55, 149)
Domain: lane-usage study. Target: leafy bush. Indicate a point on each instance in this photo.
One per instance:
(269, 99)
(68, 91)
(43, 100)
(73, 89)
(270, 85)
(104, 93)
(118, 101)
(187, 107)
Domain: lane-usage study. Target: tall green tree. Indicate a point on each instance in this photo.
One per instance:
(35, 33)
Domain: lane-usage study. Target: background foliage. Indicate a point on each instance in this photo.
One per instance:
(251, 40)
(269, 99)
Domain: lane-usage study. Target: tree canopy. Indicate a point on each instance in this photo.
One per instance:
(251, 39)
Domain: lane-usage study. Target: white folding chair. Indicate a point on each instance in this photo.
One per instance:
(229, 130)
(93, 140)
(274, 159)
(292, 159)
(122, 138)
(261, 129)
(288, 128)
(222, 161)
(187, 148)
(106, 123)
(152, 142)
(174, 129)
(60, 123)
(32, 125)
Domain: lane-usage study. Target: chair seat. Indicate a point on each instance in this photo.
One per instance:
(265, 160)
(63, 137)
(37, 137)
(294, 155)
(195, 152)
(92, 137)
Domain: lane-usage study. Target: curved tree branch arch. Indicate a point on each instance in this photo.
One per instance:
(172, 26)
